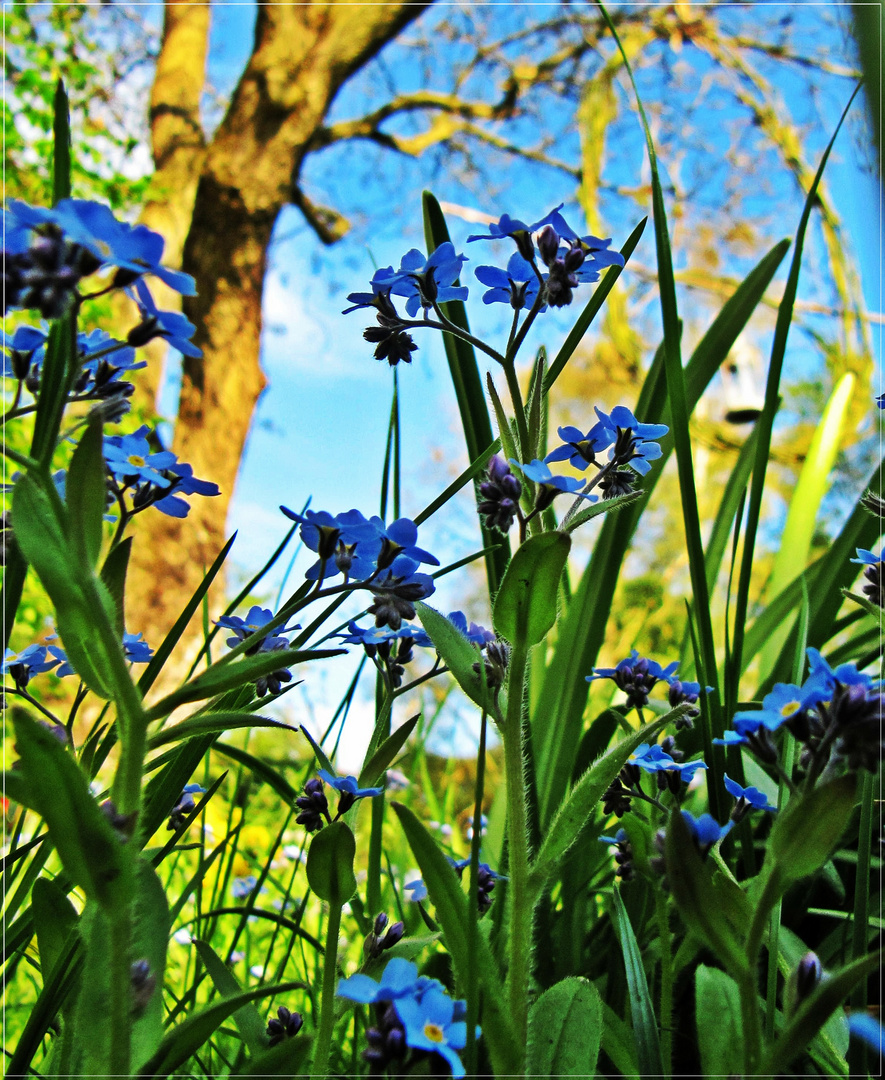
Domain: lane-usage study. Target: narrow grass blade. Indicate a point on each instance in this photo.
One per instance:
(558, 715)
(645, 1028)
(766, 421)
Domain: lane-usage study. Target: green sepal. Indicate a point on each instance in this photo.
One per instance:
(719, 1027)
(458, 655)
(383, 757)
(565, 1030)
(247, 1018)
(582, 802)
(85, 497)
(525, 607)
(330, 863)
(702, 903)
(90, 851)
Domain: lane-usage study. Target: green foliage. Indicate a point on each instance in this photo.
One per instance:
(565, 1028)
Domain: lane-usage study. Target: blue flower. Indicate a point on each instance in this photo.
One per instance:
(114, 243)
(256, 618)
(427, 281)
(827, 678)
(651, 758)
(475, 634)
(380, 287)
(868, 1029)
(430, 1024)
(594, 248)
(705, 830)
(399, 979)
(34, 660)
(880, 401)
(347, 785)
(636, 676)
(540, 472)
(686, 769)
(634, 442)
(129, 457)
(866, 558)
(241, 887)
(783, 703)
(183, 482)
(417, 888)
(581, 449)
(136, 649)
(753, 797)
(517, 285)
(508, 226)
(172, 326)
(731, 738)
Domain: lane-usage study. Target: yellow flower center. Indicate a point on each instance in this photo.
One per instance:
(137, 460)
(434, 1032)
(789, 708)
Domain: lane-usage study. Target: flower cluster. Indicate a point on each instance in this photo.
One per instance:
(663, 761)
(314, 805)
(835, 714)
(412, 1013)
(381, 558)
(628, 443)
(149, 478)
(37, 659)
(273, 641)
(875, 587)
(47, 252)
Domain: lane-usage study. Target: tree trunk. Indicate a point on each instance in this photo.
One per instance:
(302, 56)
(179, 149)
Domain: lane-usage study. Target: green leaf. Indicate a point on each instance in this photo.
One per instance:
(814, 1012)
(318, 751)
(213, 722)
(604, 507)
(583, 800)
(617, 1042)
(565, 1029)
(330, 863)
(188, 1036)
(89, 849)
(91, 1035)
(39, 531)
(525, 607)
(807, 831)
(151, 928)
(533, 406)
(54, 919)
(458, 654)
(703, 905)
(61, 146)
(113, 574)
(221, 676)
(17, 790)
(451, 910)
(85, 494)
(718, 1013)
(247, 1018)
(383, 757)
(290, 1059)
(645, 1027)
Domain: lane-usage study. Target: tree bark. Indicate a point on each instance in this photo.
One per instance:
(302, 57)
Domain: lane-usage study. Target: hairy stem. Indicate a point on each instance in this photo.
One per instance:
(327, 1003)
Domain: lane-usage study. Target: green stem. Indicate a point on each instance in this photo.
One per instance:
(750, 1016)
(121, 995)
(473, 917)
(774, 928)
(520, 950)
(327, 1003)
(857, 1054)
(525, 450)
(666, 1007)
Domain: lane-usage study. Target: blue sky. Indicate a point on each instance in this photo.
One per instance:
(320, 427)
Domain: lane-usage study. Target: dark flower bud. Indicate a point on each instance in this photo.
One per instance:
(313, 806)
(143, 983)
(344, 557)
(617, 482)
(499, 495)
(285, 1025)
(496, 660)
(559, 285)
(394, 346)
(574, 259)
(804, 978)
(122, 824)
(524, 244)
(873, 588)
(380, 924)
(548, 244)
(616, 799)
